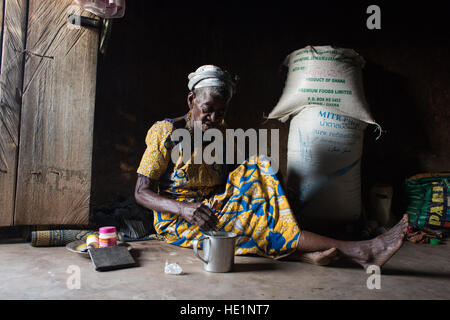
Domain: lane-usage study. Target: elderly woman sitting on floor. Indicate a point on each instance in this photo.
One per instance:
(189, 199)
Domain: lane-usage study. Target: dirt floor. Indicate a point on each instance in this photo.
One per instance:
(417, 271)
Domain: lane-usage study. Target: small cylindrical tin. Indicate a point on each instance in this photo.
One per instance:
(107, 237)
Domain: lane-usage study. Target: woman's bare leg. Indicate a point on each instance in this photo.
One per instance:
(319, 258)
(371, 252)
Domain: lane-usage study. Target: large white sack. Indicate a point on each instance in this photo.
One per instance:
(327, 76)
(324, 158)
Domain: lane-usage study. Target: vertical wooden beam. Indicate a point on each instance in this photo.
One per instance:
(2, 5)
(13, 42)
(56, 133)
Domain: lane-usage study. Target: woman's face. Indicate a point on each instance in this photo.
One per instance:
(206, 108)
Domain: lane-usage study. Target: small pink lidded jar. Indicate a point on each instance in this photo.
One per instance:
(107, 237)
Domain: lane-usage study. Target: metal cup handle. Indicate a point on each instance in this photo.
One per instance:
(195, 244)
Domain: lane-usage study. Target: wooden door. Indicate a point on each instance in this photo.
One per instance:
(11, 75)
(56, 119)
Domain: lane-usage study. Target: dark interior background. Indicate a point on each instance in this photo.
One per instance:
(142, 77)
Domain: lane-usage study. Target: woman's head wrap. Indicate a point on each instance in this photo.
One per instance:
(211, 76)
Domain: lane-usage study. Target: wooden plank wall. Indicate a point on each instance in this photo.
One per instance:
(2, 4)
(13, 41)
(54, 168)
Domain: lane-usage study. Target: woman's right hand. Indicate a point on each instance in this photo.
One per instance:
(199, 214)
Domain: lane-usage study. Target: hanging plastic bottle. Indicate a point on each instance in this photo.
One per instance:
(106, 9)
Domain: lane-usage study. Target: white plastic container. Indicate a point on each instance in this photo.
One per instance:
(380, 203)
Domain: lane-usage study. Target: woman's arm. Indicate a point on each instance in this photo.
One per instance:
(194, 213)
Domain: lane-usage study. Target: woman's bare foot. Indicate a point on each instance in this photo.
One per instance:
(378, 250)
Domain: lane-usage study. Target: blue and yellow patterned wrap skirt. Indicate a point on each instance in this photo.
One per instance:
(251, 204)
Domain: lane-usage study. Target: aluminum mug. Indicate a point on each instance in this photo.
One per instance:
(218, 251)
